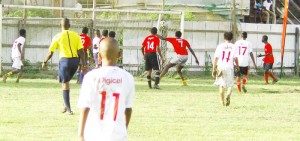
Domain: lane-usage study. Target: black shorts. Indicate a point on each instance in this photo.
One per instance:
(243, 71)
(67, 68)
(268, 66)
(151, 61)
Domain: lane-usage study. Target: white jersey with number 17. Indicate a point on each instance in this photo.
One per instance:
(244, 49)
(107, 91)
(225, 53)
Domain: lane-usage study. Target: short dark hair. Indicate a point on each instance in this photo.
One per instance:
(153, 30)
(178, 34)
(265, 38)
(112, 34)
(244, 35)
(228, 36)
(85, 30)
(22, 32)
(104, 32)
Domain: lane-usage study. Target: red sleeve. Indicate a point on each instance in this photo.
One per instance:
(168, 39)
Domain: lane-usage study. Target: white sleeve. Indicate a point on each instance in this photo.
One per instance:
(131, 92)
(86, 92)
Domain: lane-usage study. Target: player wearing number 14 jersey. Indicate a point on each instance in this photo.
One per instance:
(149, 48)
(223, 69)
(106, 98)
(244, 52)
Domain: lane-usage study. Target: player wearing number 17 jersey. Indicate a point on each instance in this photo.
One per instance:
(223, 68)
(244, 52)
(149, 48)
(106, 98)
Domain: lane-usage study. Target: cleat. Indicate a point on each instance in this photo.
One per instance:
(70, 113)
(244, 89)
(184, 83)
(274, 81)
(4, 78)
(64, 110)
(227, 101)
(156, 87)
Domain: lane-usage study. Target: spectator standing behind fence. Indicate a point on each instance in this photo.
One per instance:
(268, 13)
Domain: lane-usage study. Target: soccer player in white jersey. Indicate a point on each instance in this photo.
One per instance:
(17, 55)
(106, 98)
(223, 68)
(244, 54)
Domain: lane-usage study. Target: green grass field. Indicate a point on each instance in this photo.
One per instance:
(30, 111)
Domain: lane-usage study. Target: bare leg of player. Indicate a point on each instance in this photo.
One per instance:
(14, 71)
(166, 69)
(179, 68)
(19, 75)
(229, 91)
(222, 94)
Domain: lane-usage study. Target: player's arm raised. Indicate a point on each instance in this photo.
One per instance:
(161, 37)
(82, 121)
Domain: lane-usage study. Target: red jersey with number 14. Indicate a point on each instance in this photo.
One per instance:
(179, 45)
(151, 43)
(86, 41)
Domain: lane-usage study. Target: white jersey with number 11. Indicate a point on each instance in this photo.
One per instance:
(107, 91)
(225, 53)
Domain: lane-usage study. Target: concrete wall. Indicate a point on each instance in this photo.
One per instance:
(203, 37)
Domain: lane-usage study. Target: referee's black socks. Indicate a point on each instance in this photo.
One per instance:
(66, 95)
(149, 81)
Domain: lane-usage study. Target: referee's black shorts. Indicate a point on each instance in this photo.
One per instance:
(243, 71)
(67, 68)
(151, 61)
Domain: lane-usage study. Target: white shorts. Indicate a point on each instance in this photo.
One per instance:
(17, 63)
(179, 60)
(227, 78)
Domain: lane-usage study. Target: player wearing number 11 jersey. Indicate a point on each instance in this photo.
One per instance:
(244, 52)
(223, 69)
(149, 48)
(106, 98)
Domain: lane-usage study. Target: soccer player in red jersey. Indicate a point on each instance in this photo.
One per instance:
(87, 43)
(180, 46)
(268, 60)
(149, 48)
